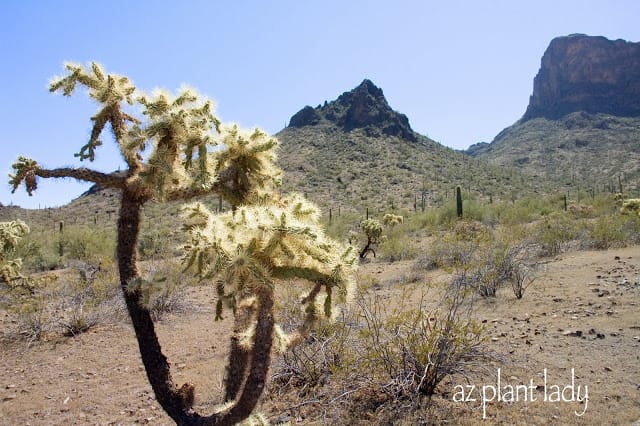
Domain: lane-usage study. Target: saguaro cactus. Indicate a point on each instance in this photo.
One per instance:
(458, 202)
(169, 156)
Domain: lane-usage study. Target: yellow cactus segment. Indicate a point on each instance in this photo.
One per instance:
(391, 219)
(631, 206)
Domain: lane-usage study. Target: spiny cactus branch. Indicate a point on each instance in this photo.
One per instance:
(27, 171)
(103, 179)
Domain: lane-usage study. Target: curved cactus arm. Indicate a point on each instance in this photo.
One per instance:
(28, 171)
(110, 91)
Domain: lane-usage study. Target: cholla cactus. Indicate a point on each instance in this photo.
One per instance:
(373, 230)
(251, 250)
(391, 219)
(258, 244)
(631, 206)
(170, 155)
(10, 234)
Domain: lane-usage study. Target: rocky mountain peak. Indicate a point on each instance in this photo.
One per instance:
(364, 91)
(364, 107)
(585, 73)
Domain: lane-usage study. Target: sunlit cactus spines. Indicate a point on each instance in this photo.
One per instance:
(10, 234)
(372, 228)
(178, 129)
(176, 149)
(249, 251)
(24, 172)
(247, 165)
(390, 219)
(631, 206)
(109, 90)
(256, 245)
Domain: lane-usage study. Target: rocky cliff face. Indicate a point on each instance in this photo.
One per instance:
(364, 107)
(584, 73)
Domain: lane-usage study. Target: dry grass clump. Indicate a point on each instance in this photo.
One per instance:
(379, 359)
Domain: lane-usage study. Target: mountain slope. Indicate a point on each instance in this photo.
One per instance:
(582, 125)
(357, 152)
(581, 149)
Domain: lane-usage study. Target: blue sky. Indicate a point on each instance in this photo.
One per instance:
(460, 70)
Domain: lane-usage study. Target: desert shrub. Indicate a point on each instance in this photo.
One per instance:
(69, 303)
(631, 229)
(614, 230)
(470, 230)
(168, 288)
(487, 270)
(424, 262)
(397, 248)
(522, 277)
(88, 298)
(581, 211)
(605, 204)
(18, 292)
(607, 231)
(324, 353)
(447, 252)
(33, 318)
(153, 243)
(476, 211)
(29, 303)
(80, 243)
(413, 349)
(171, 299)
(523, 210)
(457, 247)
(447, 214)
(512, 214)
(397, 244)
(480, 259)
(37, 253)
(79, 310)
(341, 225)
(379, 355)
(423, 220)
(554, 232)
(48, 250)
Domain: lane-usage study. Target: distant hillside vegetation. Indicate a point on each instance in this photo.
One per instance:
(581, 149)
(357, 152)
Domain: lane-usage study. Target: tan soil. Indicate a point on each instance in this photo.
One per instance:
(96, 378)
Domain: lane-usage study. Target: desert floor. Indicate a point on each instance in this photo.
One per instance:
(579, 322)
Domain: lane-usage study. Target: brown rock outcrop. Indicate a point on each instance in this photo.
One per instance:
(584, 73)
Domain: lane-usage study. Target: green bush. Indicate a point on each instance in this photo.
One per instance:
(47, 250)
(607, 231)
(614, 230)
(397, 244)
(154, 243)
(555, 231)
(81, 243)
